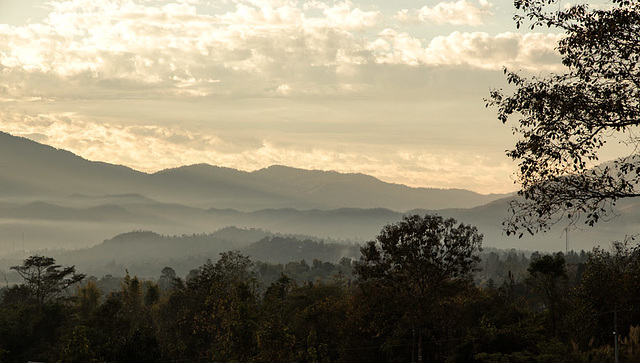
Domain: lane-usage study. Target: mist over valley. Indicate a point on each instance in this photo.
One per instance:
(52, 200)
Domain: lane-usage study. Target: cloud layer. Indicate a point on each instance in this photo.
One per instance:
(125, 48)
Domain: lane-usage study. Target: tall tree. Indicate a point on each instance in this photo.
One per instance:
(214, 314)
(44, 279)
(565, 119)
(167, 278)
(611, 281)
(547, 275)
(423, 259)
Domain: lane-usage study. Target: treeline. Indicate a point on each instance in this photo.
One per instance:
(396, 303)
(222, 312)
(145, 254)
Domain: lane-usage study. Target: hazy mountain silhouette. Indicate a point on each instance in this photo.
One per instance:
(38, 172)
(51, 198)
(47, 225)
(35, 171)
(146, 253)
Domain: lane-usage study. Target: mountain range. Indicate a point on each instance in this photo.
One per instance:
(35, 171)
(52, 199)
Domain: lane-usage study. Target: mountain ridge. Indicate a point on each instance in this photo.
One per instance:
(40, 172)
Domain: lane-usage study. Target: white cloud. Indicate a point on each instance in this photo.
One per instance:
(531, 51)
(461, 12)
(283, 90)
(315, 4)
(158, 44)
(343, 16)
(121, 48)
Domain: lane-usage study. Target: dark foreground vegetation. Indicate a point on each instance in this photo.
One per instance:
(410, 297)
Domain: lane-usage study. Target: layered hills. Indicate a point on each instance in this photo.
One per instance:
(51, 199)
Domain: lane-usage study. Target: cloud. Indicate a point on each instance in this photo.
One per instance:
(343, 16)
(283, 89)
(151, 49)
(531, 51)
(461, 12)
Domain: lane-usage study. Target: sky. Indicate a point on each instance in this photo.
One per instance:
(393, 89)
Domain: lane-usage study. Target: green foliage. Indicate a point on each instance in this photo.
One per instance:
(631, 345)
(167, 278)
(151, 294)
(88, 299)
(421, 252)
(214, 314)
(611, 281)
(275, 342)
(30, 332)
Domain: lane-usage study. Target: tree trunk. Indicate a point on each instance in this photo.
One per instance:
(413, 345)
(420, 347)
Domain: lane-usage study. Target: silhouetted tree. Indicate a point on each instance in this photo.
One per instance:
(611, 281)
(565, 119)
(167, 278)
(424, 259)
(88, 299)
(548, 273)
(44, 279)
